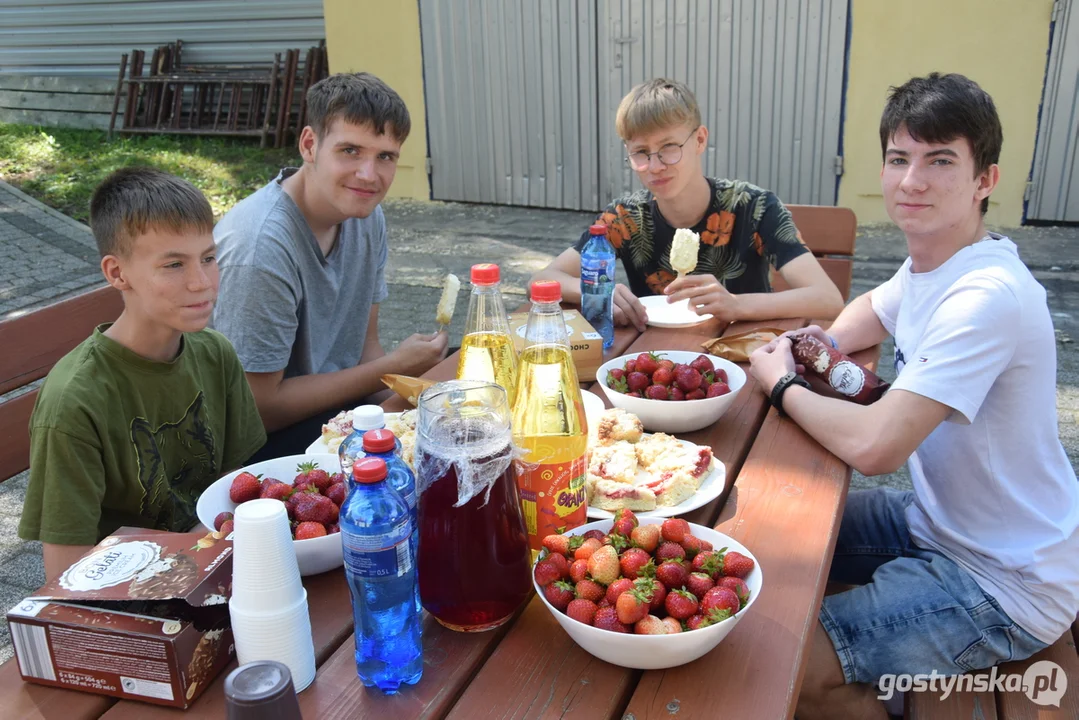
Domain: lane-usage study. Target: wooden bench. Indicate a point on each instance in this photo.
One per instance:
(829, 232)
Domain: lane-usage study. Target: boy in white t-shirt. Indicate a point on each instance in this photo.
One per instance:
(978, 565)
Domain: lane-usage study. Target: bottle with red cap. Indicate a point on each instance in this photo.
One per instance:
(597, 283)
(487, 351)
(549, 422)
(382, 443)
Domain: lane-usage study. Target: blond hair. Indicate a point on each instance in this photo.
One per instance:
(654, 105)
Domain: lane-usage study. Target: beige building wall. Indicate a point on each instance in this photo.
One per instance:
(383, 37)
(1000, 44)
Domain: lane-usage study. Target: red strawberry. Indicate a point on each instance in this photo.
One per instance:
(220, 519)
(654, 590)
(607, 619)
(738, 585)
(647, 363)
(586, 549)
(603, 603)
(617, 588)
(657, 392)
(670, 551)
(672, 574)
(699, 584)
(593, 534)
(721, 376)
(677, 395)
(632, 561)
(696, 621)
(697, 394)
(717, 601)
(308, 530)
(560, 562)
(559, 594)
(681, 604)
(662, 376)
(617, 384)
(637, 381)
(546, 573)
(650, 625)
(336, 493)
(338, 477)
(705, 384)
(615, 374)
(562, 544)
(691, 545)
(709, 563)
(335, 528)
(578, 569)
(688, 379)
(673, 626)
(631, 366)
(227, 527)
(627, 514)
(635, 393)
(631, 606)
(623, 527)
(646, 537)
(665, 363)
(705, 545)
(276, 490)
(582, 611)
(244, 487)
(603, 565)
(316, 508)
(618, 542)
(674, 529)
(320, 479)
(702, 364)
(590, 590)
(718, 389)
(735, 564)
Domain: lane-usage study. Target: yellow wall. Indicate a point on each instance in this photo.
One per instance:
(1000, 44)
(383, 37)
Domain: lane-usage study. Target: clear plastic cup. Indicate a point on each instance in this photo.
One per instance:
(265, 575)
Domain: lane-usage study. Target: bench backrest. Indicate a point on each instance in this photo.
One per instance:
(32, 344)
(830, 233)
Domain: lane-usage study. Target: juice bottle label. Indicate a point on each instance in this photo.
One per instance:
(371, 563)
(552, 497)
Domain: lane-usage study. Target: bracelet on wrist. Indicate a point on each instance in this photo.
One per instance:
(780, 388)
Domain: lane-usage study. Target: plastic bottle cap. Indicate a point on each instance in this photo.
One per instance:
(484, 274)
(546, 291)
(368, 417)
(598, 229)
(379, 441)
(369, 470)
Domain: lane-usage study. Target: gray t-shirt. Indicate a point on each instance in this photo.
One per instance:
(282, 304)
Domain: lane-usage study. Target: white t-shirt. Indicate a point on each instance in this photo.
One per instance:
(994, 489)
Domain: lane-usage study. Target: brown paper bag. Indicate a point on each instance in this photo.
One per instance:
(737, 348)
(407, 387)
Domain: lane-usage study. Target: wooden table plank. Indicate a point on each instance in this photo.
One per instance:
(1017, 706)
(26, 701)
(957, 706)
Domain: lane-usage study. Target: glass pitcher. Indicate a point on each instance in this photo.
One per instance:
(473, 553)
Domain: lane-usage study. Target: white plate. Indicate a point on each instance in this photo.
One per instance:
(711, 487)
(320, 446)
(671, 315)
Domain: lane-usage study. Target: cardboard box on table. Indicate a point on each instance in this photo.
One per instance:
(585, 343)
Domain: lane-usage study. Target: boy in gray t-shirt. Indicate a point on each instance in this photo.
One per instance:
(303, 265)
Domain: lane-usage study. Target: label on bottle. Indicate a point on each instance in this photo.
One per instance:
(553, 497)
(366, 557)
(595, 271)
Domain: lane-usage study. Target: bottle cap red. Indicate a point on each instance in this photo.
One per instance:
(546, 291)
(484, 274)
(379, 440)
(369, 470)
(598, 229)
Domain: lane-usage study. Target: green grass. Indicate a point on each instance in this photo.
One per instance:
(61, 167)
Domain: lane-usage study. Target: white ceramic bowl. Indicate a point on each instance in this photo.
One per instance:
(315, 555)
(675, 416)
(655, 652)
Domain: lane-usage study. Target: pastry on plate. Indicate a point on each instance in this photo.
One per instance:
(617, 424)
(617, 461)
(613, 496)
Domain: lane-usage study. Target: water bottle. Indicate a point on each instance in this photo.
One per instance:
(364, 418)
(380, 443)
(597, 283)
(381, 569)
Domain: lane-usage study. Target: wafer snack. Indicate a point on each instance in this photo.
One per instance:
(407, 387)
(842, 374)
(446, 304)
(684, 250)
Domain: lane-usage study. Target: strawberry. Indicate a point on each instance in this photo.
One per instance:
(546, 573)
(623, 527)
(735, 564)
(691, 545)
(227, 527)
(646, 537)
(721, 376)
(702, 364)
(681, 604)
(589, 589)
(335, 528)
(626, 514)
(631, 366)
(709, 563)
(276, 490)
(338, 477)
(670, 551)
(677, 394)
(633, 561)
(688, 379)
(672, 574)
(674, 529)
(705, 545)
(560, 562)
(244, 487)
(650, 625)
(635, 393)
(559, 594)
(593, 534)
(647, 363)
(637, 381)
(617, 588)
(607, 619)
(657, 392)
(719, 600)
(320, 479)
(738, 585)
(662, 376)
(586, 549)
(672, 624)
(582, 610)
(220, 519)
(697, 394)
(316, 508)
(654, 590)
(603, 565)
(618, 542)
(718, 389)
(699, 583)
(618, 384)
(631, 606)
(308, 530)
(668, 364)
(705, 384)
(603, 603)
(578, 569)
(615, 374)
(697, 621)
(336, 493)
(562, 544)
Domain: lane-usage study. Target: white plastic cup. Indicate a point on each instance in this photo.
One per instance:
(284, 636)
(265, 574)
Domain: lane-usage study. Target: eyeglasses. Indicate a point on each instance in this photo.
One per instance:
(669, 154)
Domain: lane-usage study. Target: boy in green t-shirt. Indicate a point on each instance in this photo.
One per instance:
(134, 423)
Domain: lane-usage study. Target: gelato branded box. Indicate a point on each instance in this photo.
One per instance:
(143, 616)
(585, 343)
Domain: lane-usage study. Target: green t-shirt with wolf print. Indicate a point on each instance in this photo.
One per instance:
(117, 439)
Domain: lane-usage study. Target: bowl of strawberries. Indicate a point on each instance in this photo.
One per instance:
(672, 391)
(646, 593)
(312, 488)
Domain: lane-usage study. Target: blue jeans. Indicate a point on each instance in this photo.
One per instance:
(916, 611)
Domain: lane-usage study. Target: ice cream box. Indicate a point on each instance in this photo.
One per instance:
(585, 343)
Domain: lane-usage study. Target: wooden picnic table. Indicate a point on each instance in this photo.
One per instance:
(785, 505)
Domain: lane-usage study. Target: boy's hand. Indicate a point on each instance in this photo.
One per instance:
(812, 331)
(706, 296)
(419, 353)
(770, 363)
(628, 310)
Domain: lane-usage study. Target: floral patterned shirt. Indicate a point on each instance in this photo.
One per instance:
(745, 232)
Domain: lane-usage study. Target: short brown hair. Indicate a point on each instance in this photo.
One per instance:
(134, 199)
(656, 104)
(361, 99)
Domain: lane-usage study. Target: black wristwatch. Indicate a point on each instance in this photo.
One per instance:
(791, 378)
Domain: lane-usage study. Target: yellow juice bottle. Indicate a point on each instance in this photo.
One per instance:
(549, 423)
(487, 351)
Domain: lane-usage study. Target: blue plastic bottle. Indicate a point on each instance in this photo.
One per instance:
(364, 418)
(380, 565)
(597, 283)
(382, 444)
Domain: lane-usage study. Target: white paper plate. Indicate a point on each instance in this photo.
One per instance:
(671, 315)
(711, 487)
(320, 446)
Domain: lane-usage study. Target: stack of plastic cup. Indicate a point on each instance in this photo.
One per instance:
(269, 604)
